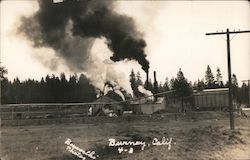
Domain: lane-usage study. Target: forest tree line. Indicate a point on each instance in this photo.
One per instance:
(54, 89)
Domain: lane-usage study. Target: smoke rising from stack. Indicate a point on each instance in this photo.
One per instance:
(146, 92)
(71, 27)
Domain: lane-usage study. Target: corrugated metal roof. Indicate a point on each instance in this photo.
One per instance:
(211, 91)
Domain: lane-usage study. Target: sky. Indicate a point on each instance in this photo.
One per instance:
(174, 32)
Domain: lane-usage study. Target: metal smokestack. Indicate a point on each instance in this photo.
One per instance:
(154, 76)
(147, 80)
(155, 85)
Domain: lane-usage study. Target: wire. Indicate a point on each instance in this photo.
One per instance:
(222, 38)
(233, 37)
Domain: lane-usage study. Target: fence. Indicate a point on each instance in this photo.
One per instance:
(39, 111)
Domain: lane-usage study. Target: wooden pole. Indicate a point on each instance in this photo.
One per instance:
(230, 97)
(230, 94)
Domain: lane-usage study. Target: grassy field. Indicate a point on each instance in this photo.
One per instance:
(199, 139)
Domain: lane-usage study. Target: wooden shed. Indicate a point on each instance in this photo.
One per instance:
(211, 99)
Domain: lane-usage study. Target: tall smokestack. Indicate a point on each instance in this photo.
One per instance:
(147, 80)
(154, 76)
(155, 85)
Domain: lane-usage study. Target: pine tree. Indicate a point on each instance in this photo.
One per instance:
(234, 80)
(200, 85)
(160, 87)
(138, 79)
(182, 87)
(172, 80)
(3, 71)
(48, 90)
(85, 91)
(235, 86)
(219, 77)
(243, 93)
(166, 85)
(209, 78)
(132, 80)
(73, 88)
(16, 90)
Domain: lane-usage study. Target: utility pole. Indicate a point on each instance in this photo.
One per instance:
(230, 97)
(248, 89)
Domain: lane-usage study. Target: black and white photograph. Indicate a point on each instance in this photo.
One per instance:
(124, 80)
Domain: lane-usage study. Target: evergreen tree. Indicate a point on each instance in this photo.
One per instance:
(73, 89)
(235, 86)
(200, 85)
(219, 78)
(234, 80)
(63, 90)
(166, 85)
(160, 87)
(51, 90)
(85, 91)
(138, 79)
(4, 85)
(5, 91)
(3, 72)
(182, 87)
(172, 80)
(244, 93)
(42, 91)
(16, 90)
(209, 78)
(133, 83)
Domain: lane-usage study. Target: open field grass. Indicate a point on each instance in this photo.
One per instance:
(199, 139)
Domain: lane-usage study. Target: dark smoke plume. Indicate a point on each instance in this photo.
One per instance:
(71, 27)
